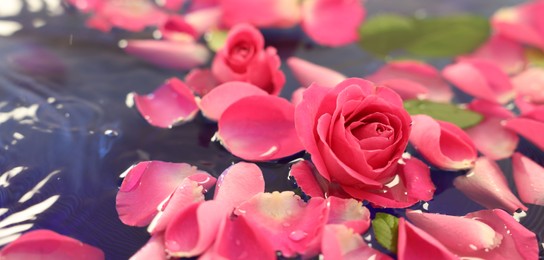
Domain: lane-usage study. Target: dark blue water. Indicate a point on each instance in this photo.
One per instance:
(66, 133)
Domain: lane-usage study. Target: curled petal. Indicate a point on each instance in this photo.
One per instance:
(529, 85)
(528, 176)
(462, 236)
(193, 230)
(419, 74)
(441, 143)
(506, 53)
(177, 29)
(521, 23)
(517, 241)
(332, 22)
(481, 79)
(308, 179)
(261, 13)
(340, 242)
(486, 184)
(201, 81)
(169, 105)
(259, 128)
(349, 212)
(238, 183)
(169, 54)
(414, 243)
(307, 73)
(284, 220)
(221, 97)
(528, 128)
(145, 186)
(152, 250)
(46, 244)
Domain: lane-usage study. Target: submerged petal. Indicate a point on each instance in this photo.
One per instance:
(238, 183)
(307, 73)
(486, 185)
(169, 105)
(259, 128)
(340, 242)
(528, 176)
(46, 244)
(145, 186)
(414, 243)
(169, 54)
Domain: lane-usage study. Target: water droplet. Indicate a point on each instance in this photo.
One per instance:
(297, 235)
(111, 133)
(473, 247)
(285, 224)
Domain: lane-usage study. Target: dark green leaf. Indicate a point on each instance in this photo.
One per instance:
(385, 228)
(383, 34)
(452, 113)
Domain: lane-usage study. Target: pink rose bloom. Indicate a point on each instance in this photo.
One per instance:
(243, 58)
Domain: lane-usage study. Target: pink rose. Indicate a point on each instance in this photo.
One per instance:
(356, 134)
(243, 58)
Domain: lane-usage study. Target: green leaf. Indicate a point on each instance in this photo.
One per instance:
(383, 34)
(535, 57)
(452, 113)
(216, 39)
(385, 228)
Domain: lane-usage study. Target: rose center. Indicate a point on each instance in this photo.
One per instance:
(371, 130)
(241, 53)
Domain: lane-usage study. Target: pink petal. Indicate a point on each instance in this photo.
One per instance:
(177, 29)
(174, 5)
(259, 128)
(169, 105)
(340, 242)
(85, 5)
(521, 23)
(261, 13)
(187, 193)
(220, 98)
(238, 183)
(528, 176)
(152, 250)
(523, 105)
(517, 241)
(48, 245)
(441, 143)
(414, 243)
(203, 20)
(462, 236)
(145, 186)
(288, 223)
(535, 113)
(201, 81)
(99, 23)
(135, 15)
(529, 84)
(307, 73)
(296, 96)
(192, 231)
(169, 54)
(332, 22)
(415, 72)
(236, 239)
(407, 89)
(308, 179)
(528, 128)
(506, 53)
(412, 184)
(486, 185)
(481, 79)
(349, 212)
(490, 109)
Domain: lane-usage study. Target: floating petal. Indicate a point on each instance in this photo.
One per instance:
(171, 104)
(152, 250)
(261, 13)
(349, 212)
(414, 243)
(528, 128)
(203, 20)
(169, 54)
(307, 73)
(177, 29)
(340, 242)
(201, 81)
(238, 183)
(528, 176)
(221, 97)
(521, 23)
(506, 53)
(529, 85)
(308, 179)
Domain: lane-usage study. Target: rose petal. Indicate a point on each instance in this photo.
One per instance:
(308, 179)
(523, 105)
(486, 185)
(415, 72)
(259, 128)
(145, 186)
(481, 79)
(169, 54)
(536, 113)
(520, 23)
(296, 96)
(441, 143)
(203, 20)
(528, 128)
(177, 29)
(407, 89)
(349, 212)
(490, 109)
(46, 244)
(506, 53)
(133, 16)
(100, 23)
(169, 105)
(332, 22)
(238, 183)
(221, 97)
(517, 241)
(261, 13)
(192, 231)
(462, 236)
(187, 193)
(201, 81)
(307, 73)
(152, 250)
(528, 178)
(414, 243)
(529, 84)
(340, 242)
(284, 220)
